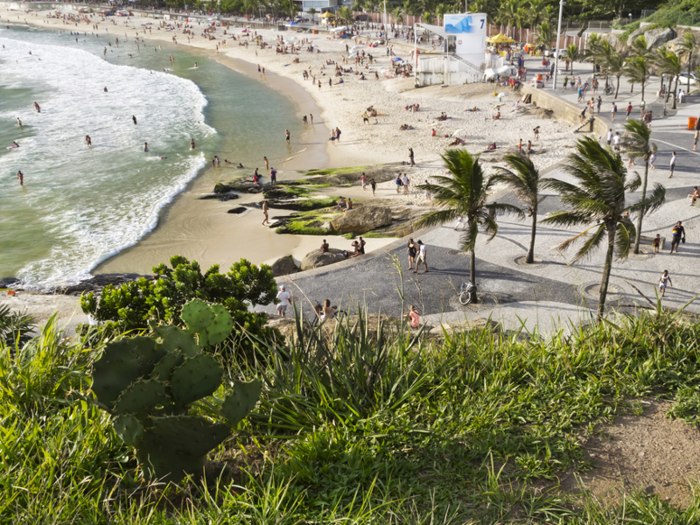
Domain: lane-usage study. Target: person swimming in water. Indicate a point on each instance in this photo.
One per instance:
(192, 144)
(239, 165)
(195, 65)
(14, 144)
(20, 177)
(36, 106)
(105, 89)
(88, 140)
(145, 147)
(19, 122)
(133, 117)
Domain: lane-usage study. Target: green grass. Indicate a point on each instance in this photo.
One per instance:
(335, 171)
(362, 423)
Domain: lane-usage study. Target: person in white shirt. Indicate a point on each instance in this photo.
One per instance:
(285, 297)
(672, 164)
(405, 182)
(616, 141)
(610, 137)
(422, 257)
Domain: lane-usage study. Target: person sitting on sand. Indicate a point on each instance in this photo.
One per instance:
(491, 146)
(472, 109)
(496, 116)
(456, 142)
(341, 204)
(356, 250)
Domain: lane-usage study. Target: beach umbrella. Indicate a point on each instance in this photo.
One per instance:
(327, 14)
(500, 39)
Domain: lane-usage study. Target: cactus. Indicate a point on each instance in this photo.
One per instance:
(196, 378)
(241, 401)
(121, 364)
(213, 324)
(150, 383)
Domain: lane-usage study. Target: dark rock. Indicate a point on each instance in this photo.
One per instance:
(219, 196)
(245, 185)
(284, 266)
(222, 188)
(317, 258)
(361, 220)
(238, 210)
(98, 282)
(8, 281)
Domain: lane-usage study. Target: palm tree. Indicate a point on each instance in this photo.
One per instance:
(508, 13)
(544, 35)
(524, 179)
(345, 14)
(464, 195)
(639, 47)
(571, 54)
(536, 12)
(670, 63)
(637, 70)
(312, 12)
(440, 11)
(598, 202)
(636, 144)
(686, 48)
(613, 62)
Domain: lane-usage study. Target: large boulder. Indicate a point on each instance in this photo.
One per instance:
(658, 37)
(634, 34)
(284, 266)
(361, 220)
(317, 258)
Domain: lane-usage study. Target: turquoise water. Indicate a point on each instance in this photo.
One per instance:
(79, 204)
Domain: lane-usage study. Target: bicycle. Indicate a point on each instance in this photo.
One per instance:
(466, 291)
(609, 90)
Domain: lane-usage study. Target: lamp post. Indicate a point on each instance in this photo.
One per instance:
(556, 56)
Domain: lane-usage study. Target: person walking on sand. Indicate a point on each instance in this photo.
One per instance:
(267, 163)
(677, 235)
(373, 183)
(311, 119)
(20, 178)
(405, 182)
(411, 157)
(664, 281)
(363, 181)
(265, 213)
(287, 136)
(422, 257)
(337, 134)
(365, 118)
(398, 183)
(613, 110)
(672, 164)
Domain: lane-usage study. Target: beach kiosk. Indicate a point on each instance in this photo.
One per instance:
(327, 18)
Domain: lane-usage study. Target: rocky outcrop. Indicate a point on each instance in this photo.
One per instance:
(245, 185)
(8, 281)
(633, 35)
(238, 210)
(464, 326)
(317, 258)
(361, 220)
(284, 266)
(98, 282)
(658, 37)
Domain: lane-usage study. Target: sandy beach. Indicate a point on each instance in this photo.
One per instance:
(202, 230)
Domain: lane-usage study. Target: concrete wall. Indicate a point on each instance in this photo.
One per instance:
(442, 70)
(562, 109)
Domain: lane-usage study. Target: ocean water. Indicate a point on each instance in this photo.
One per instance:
(79, 204)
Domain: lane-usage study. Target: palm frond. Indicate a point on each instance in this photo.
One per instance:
(501, 209)
(592, 242)
(624, 232)
(652, 202)
(634, 183)
(567, 219)
(437, 218)
(468, 238)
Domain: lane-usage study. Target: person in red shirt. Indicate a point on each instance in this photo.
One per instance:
(413, 317)
(629, 110)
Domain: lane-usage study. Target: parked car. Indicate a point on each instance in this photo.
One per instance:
(683, 79)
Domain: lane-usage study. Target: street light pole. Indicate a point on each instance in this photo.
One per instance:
(556, 56)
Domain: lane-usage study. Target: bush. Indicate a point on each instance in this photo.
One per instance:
(15, 327)
(135, 305)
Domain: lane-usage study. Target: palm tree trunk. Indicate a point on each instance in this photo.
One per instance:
(606, 272)
(675, 93)
(643, 90)
(617, 88)
(690, 62)
(638, 233)
(531, 251)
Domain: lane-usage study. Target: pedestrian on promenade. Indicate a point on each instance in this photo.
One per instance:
(677, 235)
(411, 251)
(664, 281)
(422, 257)
(613, 110)
(672, 164)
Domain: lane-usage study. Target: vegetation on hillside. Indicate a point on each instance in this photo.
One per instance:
(365, 423)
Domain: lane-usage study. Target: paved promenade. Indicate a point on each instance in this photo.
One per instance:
(553, 293)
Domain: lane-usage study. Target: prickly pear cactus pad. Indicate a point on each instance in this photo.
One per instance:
(171, 338)
(129, 429)
(195, 378)
(122, 363)
(142, 397)
(175, 446)
(220, 328)
(241, 401)
(197, 315)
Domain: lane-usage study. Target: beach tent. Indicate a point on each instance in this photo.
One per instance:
(327, 14)
(500, 39)
(397, 59)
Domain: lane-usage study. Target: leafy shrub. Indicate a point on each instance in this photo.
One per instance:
(132, 306)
